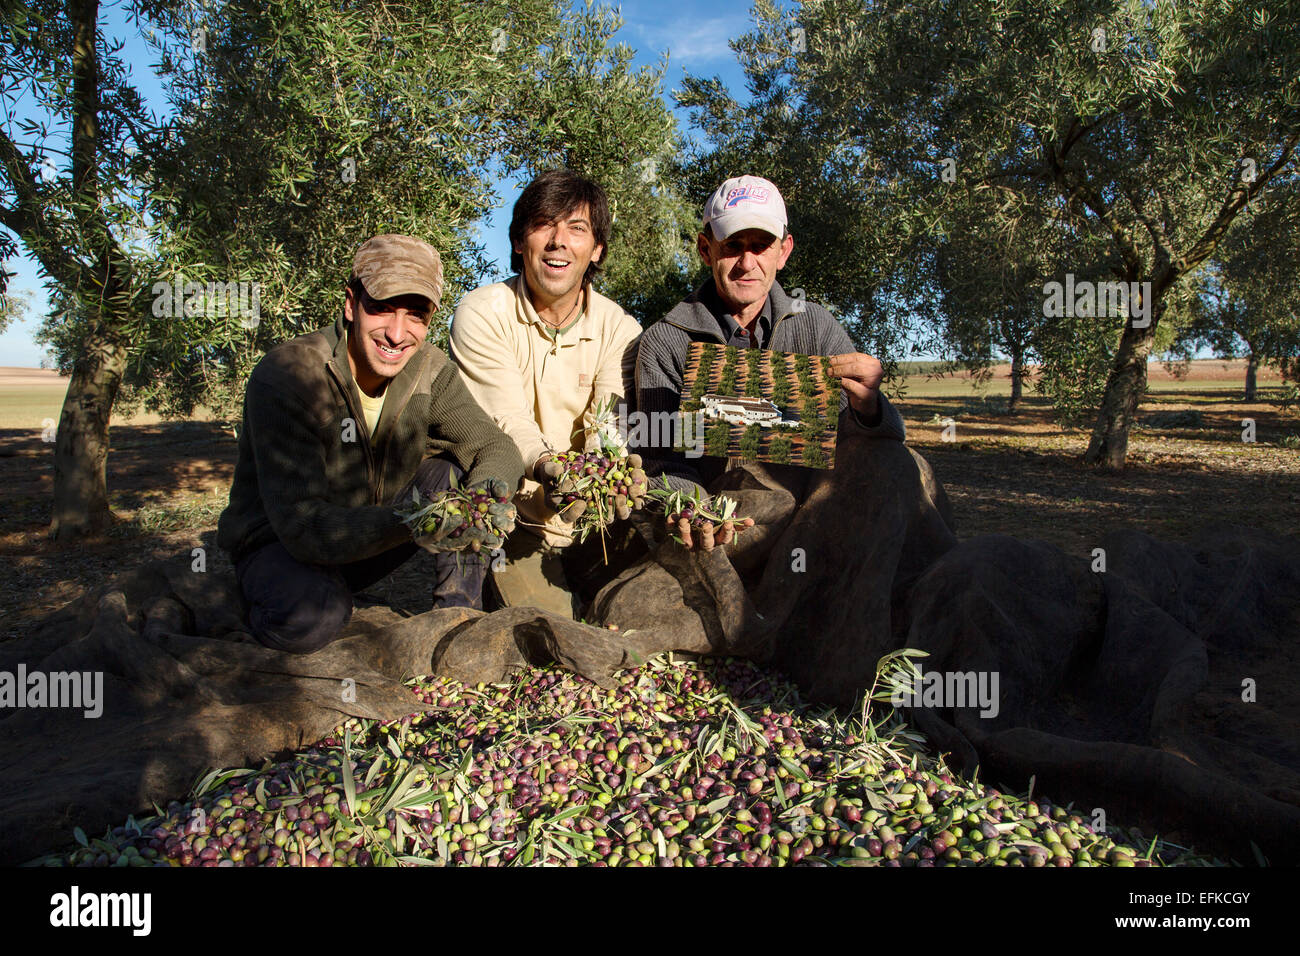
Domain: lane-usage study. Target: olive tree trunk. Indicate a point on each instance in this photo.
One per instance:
(1017, 381)
(1125, 386)
(1252, 367)
(82, 440)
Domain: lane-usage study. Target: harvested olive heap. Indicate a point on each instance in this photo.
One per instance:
(685, 763)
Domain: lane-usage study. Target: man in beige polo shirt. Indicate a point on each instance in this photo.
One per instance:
(540, 352)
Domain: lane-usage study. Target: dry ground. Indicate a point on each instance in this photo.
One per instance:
(1023, 476)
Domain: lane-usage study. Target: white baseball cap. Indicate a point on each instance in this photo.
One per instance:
(746, 202)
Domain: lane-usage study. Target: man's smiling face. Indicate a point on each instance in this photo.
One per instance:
(556, 255)
(384, 335)
(744, 264)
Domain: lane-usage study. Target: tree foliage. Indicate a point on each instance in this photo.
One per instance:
(1248, 299)
(365, 118)
(716, 437)
(1143, 128)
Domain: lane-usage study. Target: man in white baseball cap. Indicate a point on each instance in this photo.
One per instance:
(745, 241)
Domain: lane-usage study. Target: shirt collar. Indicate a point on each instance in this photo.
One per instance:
(526, 313)
(727, 323)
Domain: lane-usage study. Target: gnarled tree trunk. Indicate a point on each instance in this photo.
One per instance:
(1125, 386)
(81, 442)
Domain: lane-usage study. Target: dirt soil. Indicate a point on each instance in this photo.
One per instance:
(1024, 475)
(1020, 475)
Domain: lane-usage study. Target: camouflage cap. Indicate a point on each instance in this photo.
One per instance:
(391, 265)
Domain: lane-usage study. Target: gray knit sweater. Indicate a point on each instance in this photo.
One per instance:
(661, 367)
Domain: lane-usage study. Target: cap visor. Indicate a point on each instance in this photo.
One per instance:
(724, 227)
(390, 287)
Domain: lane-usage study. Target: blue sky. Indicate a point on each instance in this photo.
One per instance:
(694, 35)
(695, 42)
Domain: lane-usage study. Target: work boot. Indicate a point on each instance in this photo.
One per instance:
(458, 579)
(533, 576)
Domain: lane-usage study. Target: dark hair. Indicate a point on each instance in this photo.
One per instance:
(358, 293)
(554, 194)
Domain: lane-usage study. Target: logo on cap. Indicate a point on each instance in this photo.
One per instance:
(741, 194)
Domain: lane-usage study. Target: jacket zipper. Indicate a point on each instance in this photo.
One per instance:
(360, 422)
(775, 326)
(397, 413)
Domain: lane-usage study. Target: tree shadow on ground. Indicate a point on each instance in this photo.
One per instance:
(1052, 496)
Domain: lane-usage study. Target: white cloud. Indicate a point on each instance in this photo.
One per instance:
(691, 40)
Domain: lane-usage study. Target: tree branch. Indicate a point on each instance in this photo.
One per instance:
(1077, 191)
(28, 219)
(1240, 194)
(1159, 241)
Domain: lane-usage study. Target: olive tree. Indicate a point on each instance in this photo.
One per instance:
(1248, 300)
(73, 136)
(1148, 127)
(177, 248)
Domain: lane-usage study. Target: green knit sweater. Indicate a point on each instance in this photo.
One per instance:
(311, 476)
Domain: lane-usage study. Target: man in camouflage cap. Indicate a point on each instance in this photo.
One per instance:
(340, 425)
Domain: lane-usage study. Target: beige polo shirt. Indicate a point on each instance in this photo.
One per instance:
(541, 389)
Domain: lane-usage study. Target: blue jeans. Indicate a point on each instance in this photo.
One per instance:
(299, 608)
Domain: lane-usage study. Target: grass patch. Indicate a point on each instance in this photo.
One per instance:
(151, 519)
(28, 406)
